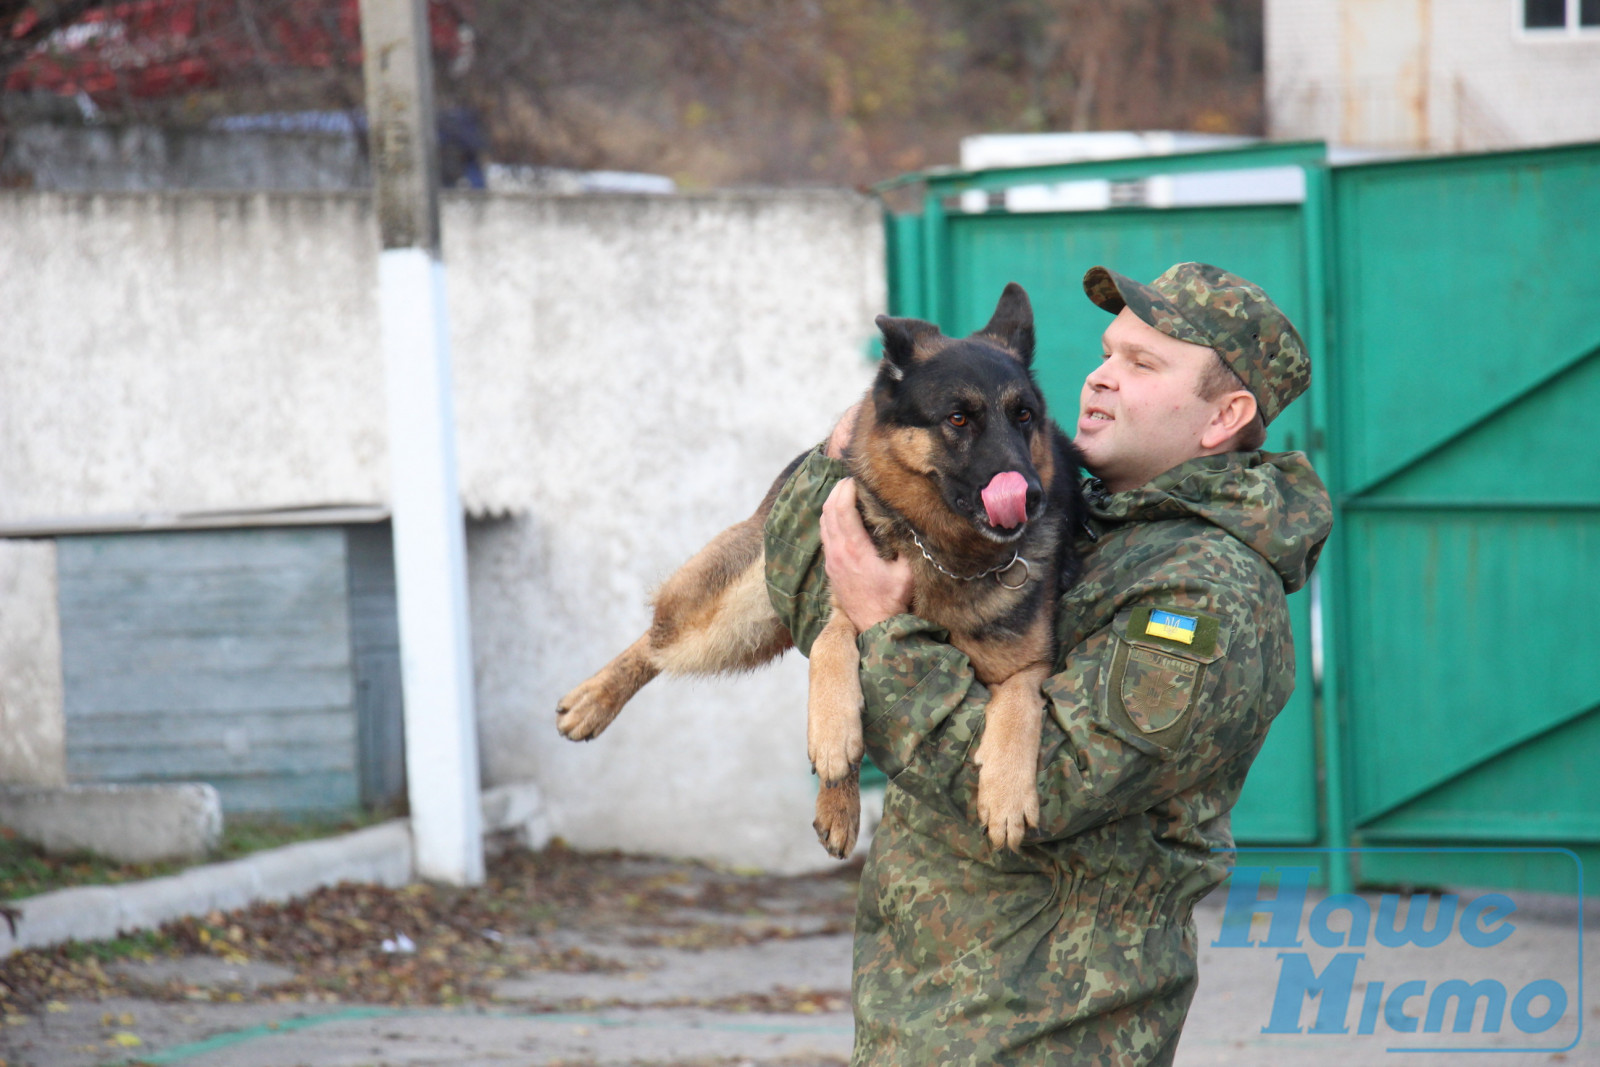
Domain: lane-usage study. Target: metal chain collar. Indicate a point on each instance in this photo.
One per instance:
(997, 570)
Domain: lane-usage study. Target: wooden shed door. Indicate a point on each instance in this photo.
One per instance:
(222, 656)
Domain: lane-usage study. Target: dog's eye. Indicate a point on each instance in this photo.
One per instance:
(1025, 416)
(958, 420)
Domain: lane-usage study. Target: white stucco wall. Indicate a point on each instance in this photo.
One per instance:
(32, 748)
(631, 372)
(1425, 74)
(668, 358)
(187, 352)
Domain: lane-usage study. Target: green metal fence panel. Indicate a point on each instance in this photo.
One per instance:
(903, 244)
(1465, 296)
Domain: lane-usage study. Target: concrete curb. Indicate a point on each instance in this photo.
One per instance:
(379, 854)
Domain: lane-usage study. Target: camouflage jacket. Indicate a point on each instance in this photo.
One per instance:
(1175, 655)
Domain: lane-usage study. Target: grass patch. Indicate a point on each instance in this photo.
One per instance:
(243, 834)
(141, 944)
(26, 870)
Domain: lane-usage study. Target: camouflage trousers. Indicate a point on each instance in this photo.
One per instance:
(968, 961)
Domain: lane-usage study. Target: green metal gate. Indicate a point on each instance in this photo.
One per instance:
(1466, 304)
(1452, 307)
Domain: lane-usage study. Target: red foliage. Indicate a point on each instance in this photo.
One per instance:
(154, 48)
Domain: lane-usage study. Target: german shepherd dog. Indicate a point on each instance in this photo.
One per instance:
(959, 471)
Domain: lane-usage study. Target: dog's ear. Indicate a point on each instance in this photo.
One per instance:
(900, 340)
(1012, 323)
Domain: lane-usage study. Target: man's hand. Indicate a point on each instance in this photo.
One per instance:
(839, 439)
(868, 588)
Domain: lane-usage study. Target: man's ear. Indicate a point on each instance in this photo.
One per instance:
(1234, 413)
(1012, 323)
(900, 338)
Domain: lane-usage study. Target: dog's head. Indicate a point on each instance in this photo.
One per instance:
(967, 414)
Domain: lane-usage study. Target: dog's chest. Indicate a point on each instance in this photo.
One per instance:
(988, 604)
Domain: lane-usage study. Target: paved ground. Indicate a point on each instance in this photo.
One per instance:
(732, 976)
(1239, 986)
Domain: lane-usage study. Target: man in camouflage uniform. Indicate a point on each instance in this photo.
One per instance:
(1175, 655)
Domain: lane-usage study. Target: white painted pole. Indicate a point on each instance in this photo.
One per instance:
(429, 538)
(430, 571)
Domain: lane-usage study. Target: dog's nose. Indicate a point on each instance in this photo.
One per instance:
(1035, 495)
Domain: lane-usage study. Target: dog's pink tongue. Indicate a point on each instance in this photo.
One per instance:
(1006, 500)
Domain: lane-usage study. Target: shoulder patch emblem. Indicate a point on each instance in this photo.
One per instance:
(1156, 688)
(1172, 626)
(1157, 675)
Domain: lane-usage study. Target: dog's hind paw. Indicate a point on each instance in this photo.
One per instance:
(585, 712)
(838, 818)
(836, 746)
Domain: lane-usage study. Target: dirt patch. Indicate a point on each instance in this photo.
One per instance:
(552, 911)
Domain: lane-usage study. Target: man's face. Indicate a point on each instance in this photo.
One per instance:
(1140, 413)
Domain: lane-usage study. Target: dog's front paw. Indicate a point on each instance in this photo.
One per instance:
(838, 818)
(1008, 806)
(582, 714)
(834, 739)
(834, 703)
(836, 750)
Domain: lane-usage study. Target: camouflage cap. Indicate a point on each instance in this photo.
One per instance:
(1206, 305)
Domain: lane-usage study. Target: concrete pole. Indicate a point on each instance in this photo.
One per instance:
(429, 538)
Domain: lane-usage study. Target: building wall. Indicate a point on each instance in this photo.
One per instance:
(187, 352)
(32, 748)
(630, 374)
(667, 357)
(65, 157)
(1426, 75)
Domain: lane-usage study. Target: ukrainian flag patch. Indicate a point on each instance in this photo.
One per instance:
(1172, 626)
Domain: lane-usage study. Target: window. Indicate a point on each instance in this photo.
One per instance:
(1570, 16)
(1544, 14)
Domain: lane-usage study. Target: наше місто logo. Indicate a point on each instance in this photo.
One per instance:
(1416, 972)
